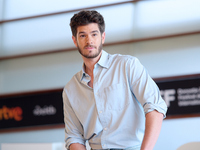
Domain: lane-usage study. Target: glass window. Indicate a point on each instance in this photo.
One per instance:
(34, 35)
(24, 8)
(124, 22)
(160, 17)
(54, 33)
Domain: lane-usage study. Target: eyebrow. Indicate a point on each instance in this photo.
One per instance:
(95, 31)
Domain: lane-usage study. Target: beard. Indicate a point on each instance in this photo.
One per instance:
(91, 55)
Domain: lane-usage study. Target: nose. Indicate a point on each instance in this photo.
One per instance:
(89, 39)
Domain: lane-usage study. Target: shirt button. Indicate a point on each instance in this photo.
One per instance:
(105, 129)
(100, 111)
(97, 94)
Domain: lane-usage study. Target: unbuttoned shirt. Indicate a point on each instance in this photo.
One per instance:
(112, 113)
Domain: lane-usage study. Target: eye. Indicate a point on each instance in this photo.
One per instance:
(94, 34)
(82, 35)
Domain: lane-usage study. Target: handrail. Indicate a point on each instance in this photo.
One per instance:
(106, 44)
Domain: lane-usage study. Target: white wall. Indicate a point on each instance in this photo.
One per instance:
(176, 132)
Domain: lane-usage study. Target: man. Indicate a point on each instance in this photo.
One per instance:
(112, 102)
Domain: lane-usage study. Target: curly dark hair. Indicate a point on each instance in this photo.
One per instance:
(85, 17)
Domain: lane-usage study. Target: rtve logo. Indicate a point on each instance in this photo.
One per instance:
(11, 113)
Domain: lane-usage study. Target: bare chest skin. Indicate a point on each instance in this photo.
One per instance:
(90, 84)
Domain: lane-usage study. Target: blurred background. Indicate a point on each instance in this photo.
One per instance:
(37, 52)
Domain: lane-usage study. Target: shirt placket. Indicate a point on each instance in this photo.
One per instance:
(100, 105)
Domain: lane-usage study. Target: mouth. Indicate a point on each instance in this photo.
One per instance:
(89, 47)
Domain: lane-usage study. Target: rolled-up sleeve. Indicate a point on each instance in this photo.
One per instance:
(145, 89)
(73, 127)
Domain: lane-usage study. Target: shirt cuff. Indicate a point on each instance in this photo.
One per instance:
(161, 108)
(72, 140)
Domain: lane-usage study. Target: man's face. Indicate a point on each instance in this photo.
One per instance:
(89, 40)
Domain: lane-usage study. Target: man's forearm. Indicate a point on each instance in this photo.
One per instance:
(152, 129)
(77, 146)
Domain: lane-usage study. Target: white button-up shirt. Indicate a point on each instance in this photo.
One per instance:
(112, 113)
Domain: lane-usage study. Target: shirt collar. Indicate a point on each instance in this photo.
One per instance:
(82, 72)
(103, 62)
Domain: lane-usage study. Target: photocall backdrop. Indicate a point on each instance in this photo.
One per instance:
(182, 96)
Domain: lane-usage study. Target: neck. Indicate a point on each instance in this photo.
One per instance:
(89, 67)
(89, 64)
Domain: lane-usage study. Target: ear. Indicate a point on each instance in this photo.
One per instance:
(74, 40)
(103, 37)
